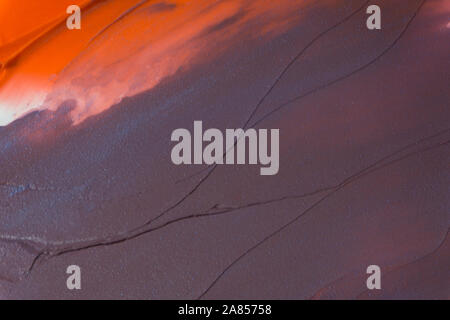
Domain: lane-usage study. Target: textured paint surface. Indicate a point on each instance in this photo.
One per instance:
(86, 176)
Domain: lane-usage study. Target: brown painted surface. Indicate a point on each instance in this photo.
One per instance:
(364, 174)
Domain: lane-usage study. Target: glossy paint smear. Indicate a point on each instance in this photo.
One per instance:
(88, 179)
(123, 47)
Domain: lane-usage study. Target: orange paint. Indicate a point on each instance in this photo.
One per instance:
(123, 48)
